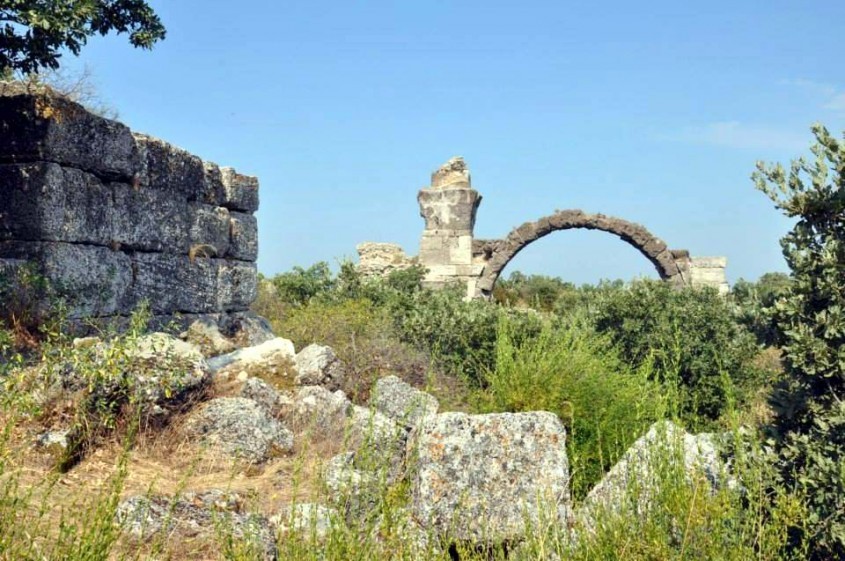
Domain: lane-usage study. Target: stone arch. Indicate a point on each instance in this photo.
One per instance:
(498, 253)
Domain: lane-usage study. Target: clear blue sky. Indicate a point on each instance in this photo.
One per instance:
(652, 111)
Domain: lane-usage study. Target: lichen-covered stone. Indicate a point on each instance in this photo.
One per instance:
(266, 396)
(116, 219)
(196, 514)
(205, 334)
(247, 329)
(94, 280)
(273, 351)
(209, 226)
(488, 478)
(402, 402)
(49, 128)
(308, 520)
(239, 427)
(240, 191)
(318, 365)
(636, 475)
(243, 240)
(316, 409)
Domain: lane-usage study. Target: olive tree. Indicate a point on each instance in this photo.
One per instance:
(810, 318)
(33, 33)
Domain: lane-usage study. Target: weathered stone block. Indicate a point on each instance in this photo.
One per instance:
(144, 219)
(164, 167)
(237, 285)
(489, 478)
(45, 202)
(452, 208)
(92, 279)
(43, 127)
(174, 283)
(243, 240)
(240, 191)
(209, 225)
(213, 191)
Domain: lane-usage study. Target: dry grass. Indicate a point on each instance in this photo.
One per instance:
(164, 462)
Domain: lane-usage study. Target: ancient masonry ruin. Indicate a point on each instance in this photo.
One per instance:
(114, 219)
(451, 254)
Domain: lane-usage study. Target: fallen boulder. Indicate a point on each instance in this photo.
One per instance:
(239, 427)
(402, 402)
(489, 478)
(318, 365)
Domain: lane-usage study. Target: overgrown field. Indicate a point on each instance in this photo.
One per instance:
(763, 368)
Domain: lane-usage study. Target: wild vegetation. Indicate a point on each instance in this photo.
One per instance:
(610, 360)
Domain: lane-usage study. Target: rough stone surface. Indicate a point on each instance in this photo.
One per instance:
(44, 127)
(275, 351)
(247, 329)
(316, 409)
(381, 259)
(243, 236)
(377, 442)
(205, 334)
(318, 365)
(634, 475)
(195, 514)
(485, 478)
(239, 427)
(402, 402)
(266, 396)
(353, 491)
(240, 191)
(310, 520)
(454, 173)
(115, 219)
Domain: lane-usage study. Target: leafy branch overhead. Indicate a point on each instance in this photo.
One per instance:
(33, 33)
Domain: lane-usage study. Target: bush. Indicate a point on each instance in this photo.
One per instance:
(301, 285)
(460, 335)
(690, 337)
(755, 303)
(575, 373)
(810, 319)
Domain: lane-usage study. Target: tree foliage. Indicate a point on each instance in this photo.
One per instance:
(691, 339)
(810, 411)
(34, 32)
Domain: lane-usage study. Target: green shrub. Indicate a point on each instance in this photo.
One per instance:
(689, 336)
(575, 373)
(755, 303)
(460, 335)
(810, 318)
(301, 285)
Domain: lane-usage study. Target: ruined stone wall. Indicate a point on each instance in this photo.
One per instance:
(451, 254)
(114, 218)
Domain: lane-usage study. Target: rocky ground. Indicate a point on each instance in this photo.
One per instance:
(261, 439)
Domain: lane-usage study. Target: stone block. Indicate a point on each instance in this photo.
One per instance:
(209, 225)
(489, 478)
(46, 202)
(92, 279)
(213, 191)
(42, 127)
(243, 236)
(173, 283)
(451, 209)
(237, 285)
(145, 219)
(164, 167)
(240, 191)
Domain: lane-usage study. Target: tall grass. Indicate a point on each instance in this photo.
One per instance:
(577, 374)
